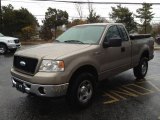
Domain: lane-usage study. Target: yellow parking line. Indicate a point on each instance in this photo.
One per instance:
(141, 81)
(132, 90)
(124, 92)
(158, 89)
(118, 95)
(140, 93)
(114, 99)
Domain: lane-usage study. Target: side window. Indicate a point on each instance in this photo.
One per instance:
(112, 33)
(123, 33)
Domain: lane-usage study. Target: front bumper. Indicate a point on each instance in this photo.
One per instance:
(14, 45)
(38, 89)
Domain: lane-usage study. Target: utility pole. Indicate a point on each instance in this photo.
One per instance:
(0, 17)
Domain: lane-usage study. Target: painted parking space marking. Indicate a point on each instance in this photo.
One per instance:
(111, 99)
(136, 89)
(153, 85)
(158, 89)
(123, 92)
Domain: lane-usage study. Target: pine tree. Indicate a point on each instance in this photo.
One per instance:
(145, 14)
(122, 15)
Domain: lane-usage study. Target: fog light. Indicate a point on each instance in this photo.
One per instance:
(42, 90)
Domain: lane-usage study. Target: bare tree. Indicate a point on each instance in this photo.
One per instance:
(90, 7)
(78, 7)
(92, 17)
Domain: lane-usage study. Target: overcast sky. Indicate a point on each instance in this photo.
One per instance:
(38, 8)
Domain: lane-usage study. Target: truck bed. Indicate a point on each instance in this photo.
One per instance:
(139, 36)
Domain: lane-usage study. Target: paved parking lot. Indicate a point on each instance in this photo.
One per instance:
(118, 98)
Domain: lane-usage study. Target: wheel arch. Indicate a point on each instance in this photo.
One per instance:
(2, 43)
(145, 53)
(71, 95)
(85, 68)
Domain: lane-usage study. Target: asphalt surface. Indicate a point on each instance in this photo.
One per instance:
(119, 98)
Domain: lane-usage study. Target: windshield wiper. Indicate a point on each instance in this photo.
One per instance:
(73, 41)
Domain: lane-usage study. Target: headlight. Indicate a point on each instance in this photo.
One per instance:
(52, 66)
(10, 41)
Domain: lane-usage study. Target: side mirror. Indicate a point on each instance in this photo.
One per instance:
(113, 42)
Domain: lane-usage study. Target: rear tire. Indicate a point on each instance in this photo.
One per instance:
(140, 71)
(3, 49)
(81, 90)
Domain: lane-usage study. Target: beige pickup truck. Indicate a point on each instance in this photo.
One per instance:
(79, 58)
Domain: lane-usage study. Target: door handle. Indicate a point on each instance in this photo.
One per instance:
(123, 49)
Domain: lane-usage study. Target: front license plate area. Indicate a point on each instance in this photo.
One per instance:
(20, 87)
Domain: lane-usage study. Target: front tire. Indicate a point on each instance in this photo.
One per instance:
(81, 90)
(140, 71)
(3, 49)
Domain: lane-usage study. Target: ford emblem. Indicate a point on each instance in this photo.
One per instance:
(22, 63)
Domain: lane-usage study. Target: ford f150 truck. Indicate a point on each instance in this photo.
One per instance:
(8, 43)
(78, 59)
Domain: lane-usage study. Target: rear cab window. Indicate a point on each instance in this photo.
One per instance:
(123, 33)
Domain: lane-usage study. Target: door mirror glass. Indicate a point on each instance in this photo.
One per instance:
(112, 42)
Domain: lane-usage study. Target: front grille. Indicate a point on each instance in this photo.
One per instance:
(25, 64)
(16, 41)
(18, 45)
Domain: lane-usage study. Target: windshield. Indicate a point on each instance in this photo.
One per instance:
(89, 34)
(1, 35)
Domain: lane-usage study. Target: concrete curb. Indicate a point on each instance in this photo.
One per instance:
(156, 48)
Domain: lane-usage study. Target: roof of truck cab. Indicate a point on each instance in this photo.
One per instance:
(105, 24)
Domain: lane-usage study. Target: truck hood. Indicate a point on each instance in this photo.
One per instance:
(7, 38)
(51, 50)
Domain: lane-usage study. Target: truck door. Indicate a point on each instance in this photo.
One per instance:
(126, 49)
(115, 59)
